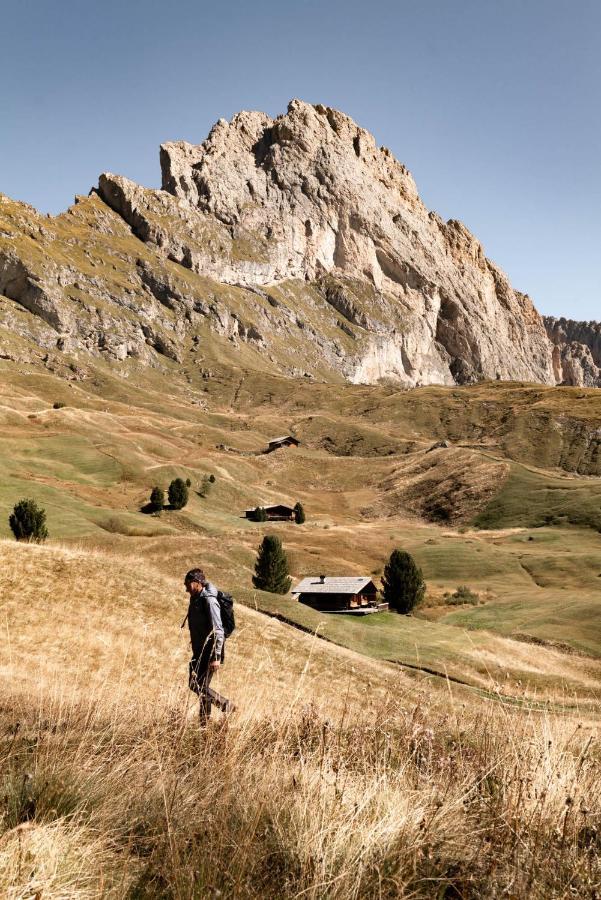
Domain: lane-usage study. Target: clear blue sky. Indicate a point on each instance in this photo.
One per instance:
(494, 105)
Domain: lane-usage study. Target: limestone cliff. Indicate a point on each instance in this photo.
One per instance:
(297, 239)
(309, 196)
(576, 351)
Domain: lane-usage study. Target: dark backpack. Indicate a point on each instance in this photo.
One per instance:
(226, 605)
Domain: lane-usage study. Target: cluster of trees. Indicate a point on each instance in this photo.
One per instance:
(178, 493)
(403, 582)
(28, 521)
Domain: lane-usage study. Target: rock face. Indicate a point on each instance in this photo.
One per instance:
(576, 351)
(299, 240)
(310, 196)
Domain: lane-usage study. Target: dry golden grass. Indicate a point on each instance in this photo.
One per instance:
(338, 777)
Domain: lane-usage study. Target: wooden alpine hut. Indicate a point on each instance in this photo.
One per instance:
(278, 443)
(280, 512)
(337, 594)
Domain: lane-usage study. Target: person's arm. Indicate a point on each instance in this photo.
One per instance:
(210, 593)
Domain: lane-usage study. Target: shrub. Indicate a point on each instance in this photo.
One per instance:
(113, 525)
(28, 522)
(299, 513)
(438, 512)
(463, 594)
(58, 405)
(178, 493)
(212, 479)
(157, 499)
(403, 582)
(206, 485)
(188, 483)
(271, 567)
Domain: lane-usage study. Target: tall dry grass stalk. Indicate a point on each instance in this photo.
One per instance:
(99, 799)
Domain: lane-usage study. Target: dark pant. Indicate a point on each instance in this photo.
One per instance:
(199, 681)
(200, 678)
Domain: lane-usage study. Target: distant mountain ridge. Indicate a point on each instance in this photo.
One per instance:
(296, 239)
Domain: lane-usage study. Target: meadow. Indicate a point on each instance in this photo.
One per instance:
(450, 754)
(339, 776)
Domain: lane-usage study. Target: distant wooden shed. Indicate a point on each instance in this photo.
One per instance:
(337, 594)
(277, 513)
(286, 440)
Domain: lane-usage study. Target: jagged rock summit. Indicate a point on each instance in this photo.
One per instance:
(298, 239)
(311, 196)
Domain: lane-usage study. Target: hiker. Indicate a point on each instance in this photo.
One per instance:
(207, 637)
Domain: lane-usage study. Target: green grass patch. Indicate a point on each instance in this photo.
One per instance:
(532, 499)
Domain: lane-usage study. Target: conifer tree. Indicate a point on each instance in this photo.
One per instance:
(28, 522)
(299, 513)
(258, 514)
(157, 499)
(178, 493)
(271, 567)
(403, 582)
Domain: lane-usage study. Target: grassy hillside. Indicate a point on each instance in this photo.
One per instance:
(552, 500)
(426, 756)
(363, 476)
(338, 777)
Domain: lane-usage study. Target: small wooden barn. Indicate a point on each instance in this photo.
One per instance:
(277, 513)
(337, 594)
(286, 441)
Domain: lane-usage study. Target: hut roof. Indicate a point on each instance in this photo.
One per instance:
(344, 585)
(267, 507)
(284, 437)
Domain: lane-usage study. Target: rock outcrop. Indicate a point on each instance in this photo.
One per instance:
(295, 238)
(576, 351)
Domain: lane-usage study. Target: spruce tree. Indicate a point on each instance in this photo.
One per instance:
(299, 513)
(28, 522)
(403, 582)
(178, 493)
(258, 514)
(157, 499)
(271, 567)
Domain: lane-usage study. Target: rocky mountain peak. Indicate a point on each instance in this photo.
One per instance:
(297, 237)
(310, 196)
(311, 183)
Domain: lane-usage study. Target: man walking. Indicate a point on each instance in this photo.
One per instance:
(207, 638)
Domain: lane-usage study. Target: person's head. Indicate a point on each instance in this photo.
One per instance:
(195, 581)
